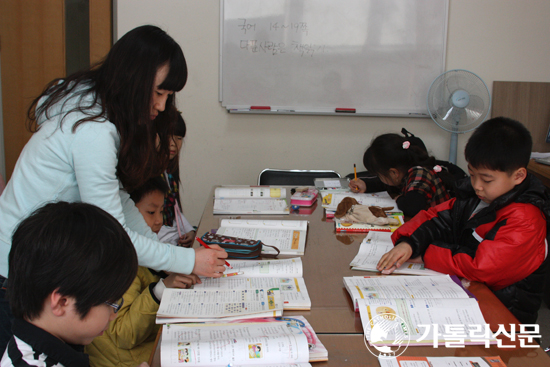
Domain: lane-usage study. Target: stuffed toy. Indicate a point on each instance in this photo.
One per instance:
(350, 211)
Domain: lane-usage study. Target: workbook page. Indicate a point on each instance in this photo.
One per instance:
(374, 246)
(209, 304)
(403, 287)
(288, 236)
(410, 314)
(232, 344)
(293, 290)
(266, 268)
(249, 192)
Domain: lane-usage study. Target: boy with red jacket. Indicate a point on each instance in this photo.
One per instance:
(495, 230)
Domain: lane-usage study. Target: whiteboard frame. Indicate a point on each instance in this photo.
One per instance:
(275, 111)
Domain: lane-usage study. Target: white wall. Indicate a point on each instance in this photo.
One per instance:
(502, 40)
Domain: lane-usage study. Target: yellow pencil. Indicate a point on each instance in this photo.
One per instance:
(355, 171)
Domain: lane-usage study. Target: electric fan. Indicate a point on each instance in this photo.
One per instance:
(458, 101)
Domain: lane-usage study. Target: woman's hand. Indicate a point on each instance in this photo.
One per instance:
(210, 262)
(394, 258)
(175, 280)
(187, 239)
(358, 185)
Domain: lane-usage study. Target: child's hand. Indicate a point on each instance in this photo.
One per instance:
(187, 239)
(210, 262)
(395, 258)
(358, 185)
(175, 280)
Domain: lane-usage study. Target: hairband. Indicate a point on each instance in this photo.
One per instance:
(406, 144)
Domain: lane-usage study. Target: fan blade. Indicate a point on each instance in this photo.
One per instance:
(476, 110)
(452, 83)
(447, 114)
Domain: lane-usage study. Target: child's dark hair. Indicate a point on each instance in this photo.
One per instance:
(174, 164)
(180, 129)
(77, 249)
(151, 185)
(386, 151)
(499, 144)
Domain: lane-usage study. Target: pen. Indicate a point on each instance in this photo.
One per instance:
(206, 246)
(355, 171)
(233, 274)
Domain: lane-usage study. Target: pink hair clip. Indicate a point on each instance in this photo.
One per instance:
(406, 144)
(437, 168)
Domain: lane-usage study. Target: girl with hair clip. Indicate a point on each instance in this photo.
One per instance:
(400, 164)
(176, 229)
(95, 140)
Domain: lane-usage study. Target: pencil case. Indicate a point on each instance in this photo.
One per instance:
(238, 248)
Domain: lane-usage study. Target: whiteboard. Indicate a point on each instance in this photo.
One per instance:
(378, 57)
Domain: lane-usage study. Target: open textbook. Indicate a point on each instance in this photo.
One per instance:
(222, 344)
(317, 351)
(201, 305)
(331, 200)
(289, 236)
(285, 274)
(374, 246)
(250, 200)
(390, 322)
(439, 286)
(410, 361)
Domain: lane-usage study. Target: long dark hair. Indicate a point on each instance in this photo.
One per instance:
(121, 87)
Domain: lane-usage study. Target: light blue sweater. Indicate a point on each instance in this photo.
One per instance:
(59, 165)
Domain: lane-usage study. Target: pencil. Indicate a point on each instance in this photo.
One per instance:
(206, 246)
(355, 171)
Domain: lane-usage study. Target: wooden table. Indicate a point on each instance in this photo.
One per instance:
(326, 262)
(542, 171)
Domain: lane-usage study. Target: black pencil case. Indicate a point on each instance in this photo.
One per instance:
(238, 248)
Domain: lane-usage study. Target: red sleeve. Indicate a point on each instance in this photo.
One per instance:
(425, 227)
(517, 250)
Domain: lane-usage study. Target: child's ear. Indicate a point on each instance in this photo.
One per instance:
(59, 303)
(519, 175)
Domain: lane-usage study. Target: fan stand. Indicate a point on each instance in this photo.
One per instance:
(454, 145)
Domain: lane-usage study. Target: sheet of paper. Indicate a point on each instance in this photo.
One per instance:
(223, 344)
